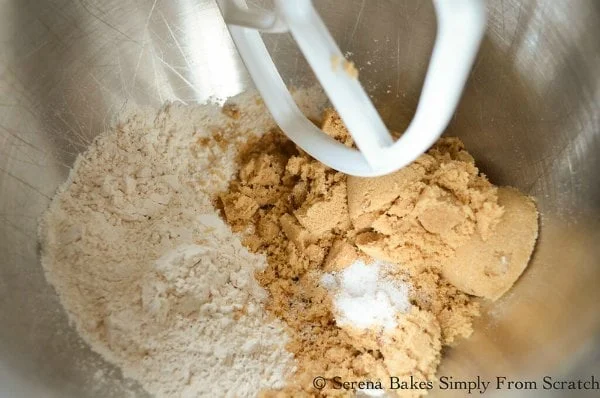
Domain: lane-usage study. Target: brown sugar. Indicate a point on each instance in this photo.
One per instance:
(420, 214)
(350, 69)
(309, 219)
(347, 66)
(231, 110)
(489, 268)
(340, 255)
(333, 126)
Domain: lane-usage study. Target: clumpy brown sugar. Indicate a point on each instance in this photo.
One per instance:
(419, 215)
(441, 213)
(350, 69)
(489, 268)
(309, 219)
(334, 127)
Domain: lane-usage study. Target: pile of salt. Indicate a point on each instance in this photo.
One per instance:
(365, 297)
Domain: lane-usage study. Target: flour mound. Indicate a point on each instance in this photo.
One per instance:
(148, 274)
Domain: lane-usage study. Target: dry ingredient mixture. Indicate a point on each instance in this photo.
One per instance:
(312, 221)
(317, 273)
(148, 273)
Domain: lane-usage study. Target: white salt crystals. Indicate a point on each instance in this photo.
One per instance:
(365, 296)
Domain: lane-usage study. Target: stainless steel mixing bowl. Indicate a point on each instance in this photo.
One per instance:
(529, 115)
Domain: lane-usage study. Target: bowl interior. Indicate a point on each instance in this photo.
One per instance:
(529, 115)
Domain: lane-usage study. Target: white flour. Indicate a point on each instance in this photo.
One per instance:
(364, 296)
(147, 272)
